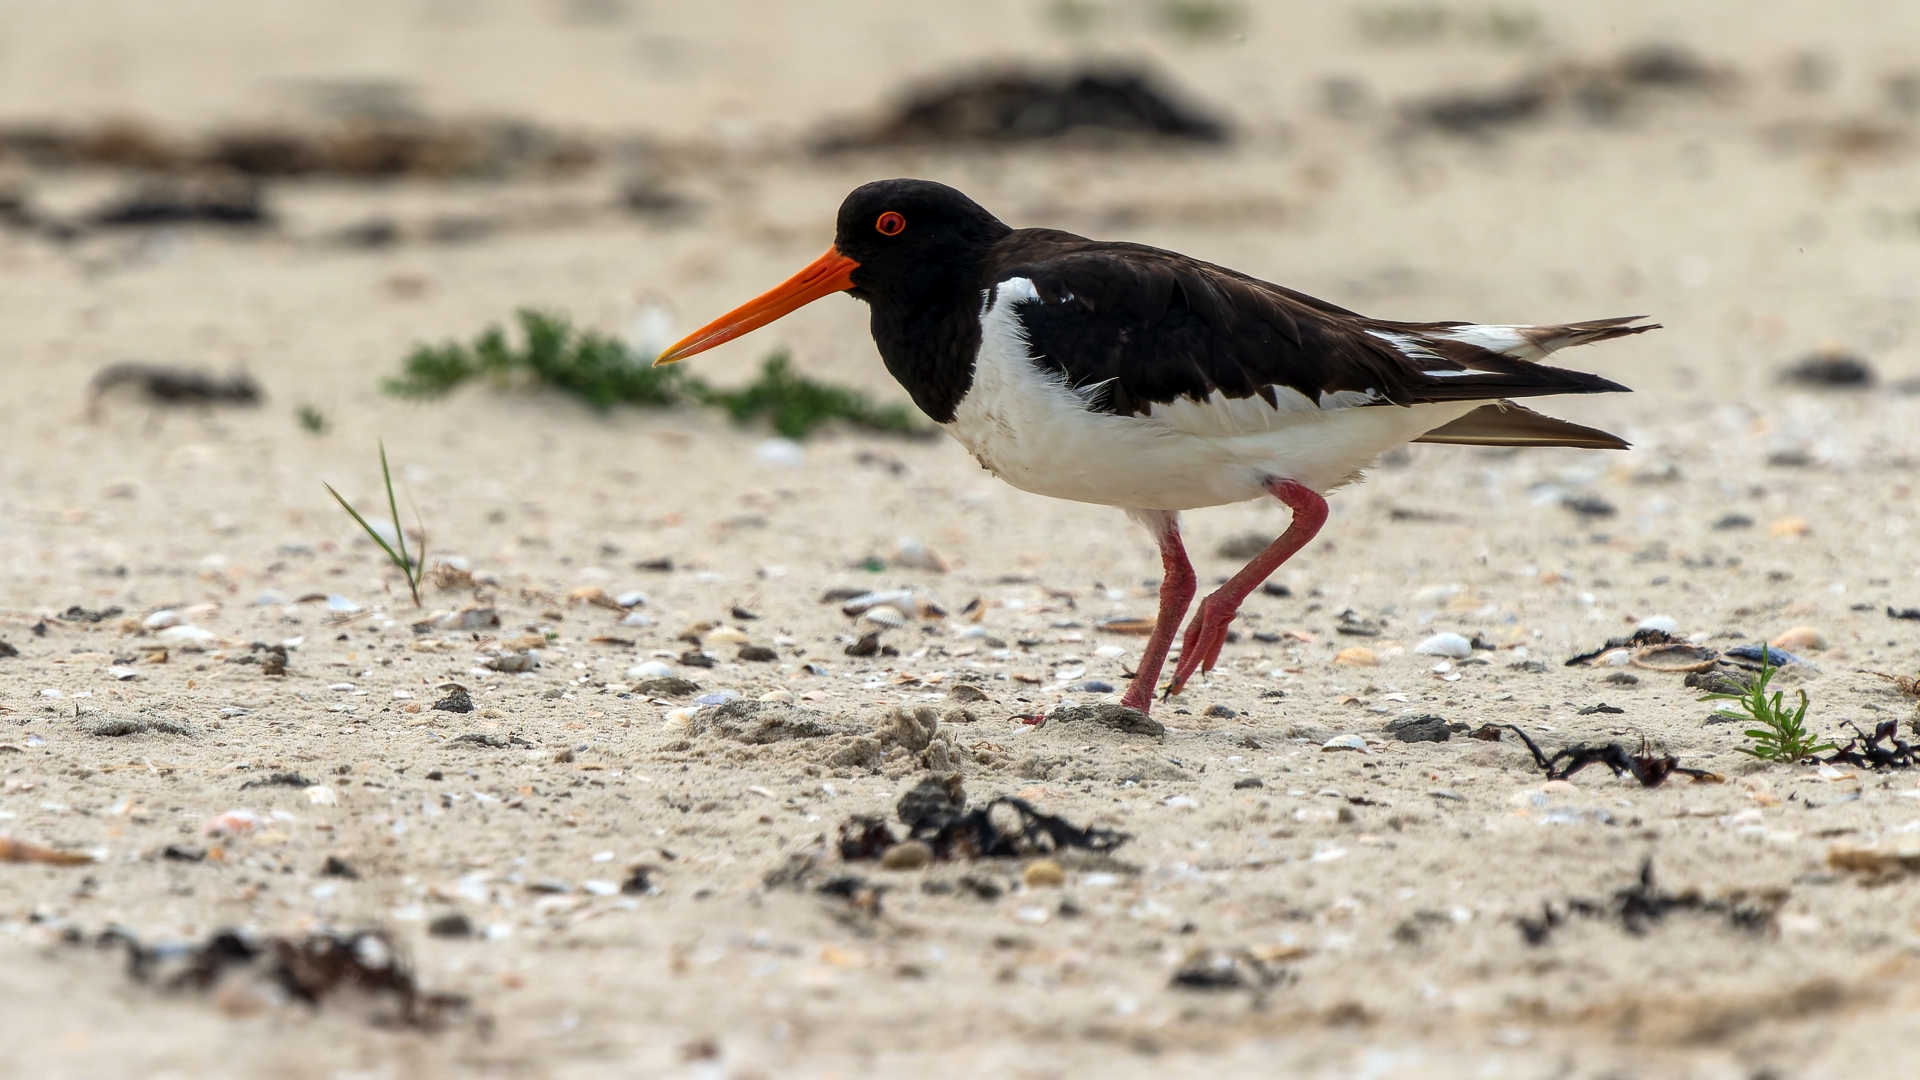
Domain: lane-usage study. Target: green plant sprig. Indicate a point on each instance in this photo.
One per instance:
(1783, 734)
(414, 568)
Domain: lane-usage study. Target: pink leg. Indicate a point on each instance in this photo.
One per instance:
(1176, 592)
(1200, 649)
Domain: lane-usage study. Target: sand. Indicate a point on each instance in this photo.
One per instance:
(1374, 896)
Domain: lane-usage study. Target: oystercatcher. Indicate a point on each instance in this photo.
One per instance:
(1134, 377)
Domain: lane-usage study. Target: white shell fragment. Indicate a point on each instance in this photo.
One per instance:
(187, 638)
(160, 620)
(1445, 644)
(859, 604)
(887, 616)
(1666, 624)
(1344, 742)
(650, 669)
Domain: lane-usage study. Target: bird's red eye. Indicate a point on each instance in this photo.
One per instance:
(890, 224)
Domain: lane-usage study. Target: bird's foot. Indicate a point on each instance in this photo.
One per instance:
(1200, 650)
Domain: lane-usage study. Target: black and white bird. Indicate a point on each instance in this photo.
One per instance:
(1135, 377)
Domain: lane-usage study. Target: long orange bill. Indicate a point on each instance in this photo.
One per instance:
(826, 275)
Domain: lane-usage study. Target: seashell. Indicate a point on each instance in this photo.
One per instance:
(1666, 624)
(782, 452)
(1674, 657)
(1358, 656)
(1111, 652)
(651, 669)
(725, 635)
(778, 697)
(1344, 742)
(187, 638)
(910, 552)
(1800, 639)
(474, 618)
(637, 619)
(513, 663)
(631, 599)
(886, 616)
(160, 620)
(1445, 644)
(717, 697)
(340, 604)
(1142, 627)
(1070, 673)
(859, 604)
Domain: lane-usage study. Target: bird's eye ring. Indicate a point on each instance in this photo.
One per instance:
(890, 224)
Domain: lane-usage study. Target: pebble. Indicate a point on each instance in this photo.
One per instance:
(1091, 686)
(160, 620)
(1224, 712)
(907, 855)
(513, 663)
(1043, 874)
(910, 552)
(1445, 644)
(1422, 728)
(717, 697)
(1800, 639)
(970, 692)
(1358, 656)
(651, 669)
(1344, 742)
(637, 619)
(1666, 624)
(635, 598)
(782, 452)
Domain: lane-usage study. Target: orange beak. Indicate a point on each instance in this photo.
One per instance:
(828, 274)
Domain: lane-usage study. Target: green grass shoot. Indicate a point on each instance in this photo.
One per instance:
(796, 405)
(410, 564)
(311, 419)
(1782, 734)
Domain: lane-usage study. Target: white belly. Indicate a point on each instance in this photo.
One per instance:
(1031, 430)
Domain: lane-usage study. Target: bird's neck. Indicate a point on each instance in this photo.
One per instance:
(928, 331)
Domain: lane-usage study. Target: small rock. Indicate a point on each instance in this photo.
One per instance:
(966, 692)
(1589, 506)
(1446, 644)
(1622, 678)
(456, 701)
(1344, 742)
(453, 924)
(1274, 588)
(1358, 656)
(8, 650)
(1717, 682)
(1224, 712)
(1448, 794)
(1043, 874)
(650, 669)
(907, 855)
(1110, 715)
(696, 658)
(1423, 728)
(758, 654)
(868, 645)
(1800, 639)
(667, 687)
(335, 866)
(1831, 367)
(1246, 782)
(1733, 521)
(512, 663)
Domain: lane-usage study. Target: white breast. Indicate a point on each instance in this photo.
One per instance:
(1032, 430)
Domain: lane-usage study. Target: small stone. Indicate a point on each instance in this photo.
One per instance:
(933, 799)
(1423, 728)
(1110, 715)
(696, 658)
(1224, 712)
(758, 654)
(1733, 521)
(1800, 639)
(966, 692)
(456, 701)
(1246, 782)
(907, 855)
(453, 924)
(651, 669)
(1830, 367)
(512, 663)
(1358, 656)
(1344, 742)
(1043, 874)
(667, 687)
(1622, 678)
(868, 645)
(1589, 506)
(1446, 644)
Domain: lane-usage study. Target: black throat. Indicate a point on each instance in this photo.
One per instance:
(926, 323)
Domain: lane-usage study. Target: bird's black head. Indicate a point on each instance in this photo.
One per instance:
(911, 248)
(902, 232)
